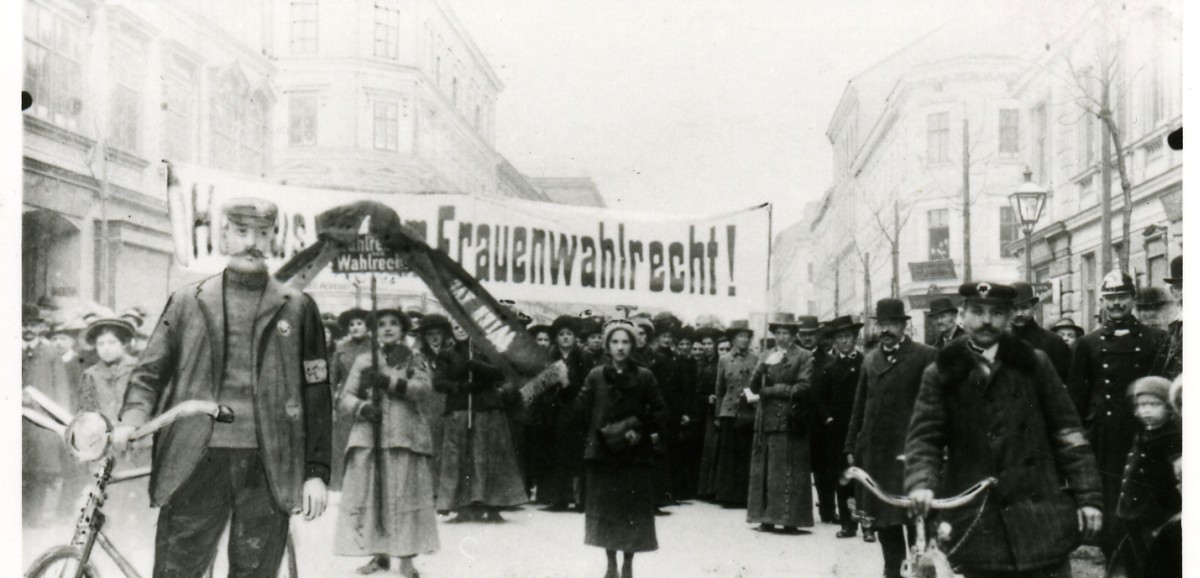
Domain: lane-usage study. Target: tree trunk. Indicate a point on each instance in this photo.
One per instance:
(1114, 134)
(966, 200)
(867, 290)
(896, 249)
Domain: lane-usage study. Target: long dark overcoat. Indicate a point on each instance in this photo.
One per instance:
(780, 463)
(1011, 419)
(185, 359)
(836, 387)
(1049, 343)
(1106, 362)
(882, 408)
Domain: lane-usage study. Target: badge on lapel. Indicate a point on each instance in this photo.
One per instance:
(285, 328)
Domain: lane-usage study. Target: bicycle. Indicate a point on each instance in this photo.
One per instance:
(926, 559)
(87, 436)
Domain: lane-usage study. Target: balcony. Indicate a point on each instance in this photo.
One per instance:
(939, 270)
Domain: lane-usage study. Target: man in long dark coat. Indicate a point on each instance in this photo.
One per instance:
(1105, 363)
(992, 405)
(257, 346)
(887, 390)
(836, 387)
(1026, 327)
(945, 322)
(809, 337)
(1170, 359)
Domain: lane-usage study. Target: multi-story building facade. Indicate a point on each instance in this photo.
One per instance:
(116, 86)
(793, 267)
(1139, 50)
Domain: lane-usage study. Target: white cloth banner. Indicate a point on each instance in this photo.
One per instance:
(518, 249)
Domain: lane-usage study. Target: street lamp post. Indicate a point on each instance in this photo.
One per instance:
(1027, 202)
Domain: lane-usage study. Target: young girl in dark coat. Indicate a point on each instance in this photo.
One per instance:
(1150, 494)
(623, 409)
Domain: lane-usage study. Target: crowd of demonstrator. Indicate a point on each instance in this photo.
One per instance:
(650, 413)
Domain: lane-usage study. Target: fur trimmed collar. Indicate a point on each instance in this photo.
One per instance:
(956, 360)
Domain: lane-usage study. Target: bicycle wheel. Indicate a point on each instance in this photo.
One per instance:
(60, 562)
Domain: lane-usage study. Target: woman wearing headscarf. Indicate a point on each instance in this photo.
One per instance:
(387, 397)
(623, 410)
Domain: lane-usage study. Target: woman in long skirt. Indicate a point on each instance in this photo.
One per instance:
(388, 514)
(780, 492)
(622, 407)
(735, 418)
(706, 389)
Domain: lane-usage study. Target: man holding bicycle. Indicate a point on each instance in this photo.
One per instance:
(248, 342)
(998, 408)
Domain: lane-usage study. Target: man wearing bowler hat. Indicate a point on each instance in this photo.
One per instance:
(1171, 358)
(1066, 329)
(945, 321)
(1154, 307)
(993, 406)
(1026, 327)
(1103, 366)
(824, 464)
(246, 341)
(887, 390)
(836, 384)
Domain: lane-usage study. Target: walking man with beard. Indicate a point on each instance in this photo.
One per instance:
(253, 344)
(1105, 363)
(1026, 327)
(945, 321)
(887, 390)
(992, 405)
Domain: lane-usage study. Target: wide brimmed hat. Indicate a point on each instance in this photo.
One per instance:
(1176, 277)
(565, 322)
(351, 314)
(1150, 297)
(782, 320)
(843, 323)
(708, 332)
(1025, 294)
(666, 322)
(738, 326)
(807, 324)
(405, 322)
(1067, 323)
(540, 328)
(135, 316)
(435, 321)
(588, 328)
(987, 293)
(942, 305)
(1117, 282)
(890, 308)
(123, 329)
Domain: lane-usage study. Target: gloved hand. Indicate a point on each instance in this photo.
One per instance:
(398, 388)
(370, 412)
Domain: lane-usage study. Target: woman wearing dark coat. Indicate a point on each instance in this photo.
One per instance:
(780, 467)
(623, 410)
(706, 399)
(560, 482)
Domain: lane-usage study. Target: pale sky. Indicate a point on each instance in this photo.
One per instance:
(691, 106)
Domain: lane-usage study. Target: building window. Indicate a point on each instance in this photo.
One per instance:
(938, 135)
(238, 126)
(302, 120)
(1010, 230)
(53, 73)
(1040, 160)
(304, 26)
(387, 29)
(387, 125)
(939, 234)
(1010, 143)
(127, 67)
(178, 136)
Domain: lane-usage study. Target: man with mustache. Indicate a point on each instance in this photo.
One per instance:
(992, 405)
(1104, 364)
(945, 321)
(257, 346)
(1026, 327)
(887, 390)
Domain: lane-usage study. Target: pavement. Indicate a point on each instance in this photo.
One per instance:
(696, 539)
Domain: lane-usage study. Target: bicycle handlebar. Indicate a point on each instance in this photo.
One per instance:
(854, 473)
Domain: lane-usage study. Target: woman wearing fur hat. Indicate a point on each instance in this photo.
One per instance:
(622, 408)
(478, 474)
(561, 481)
(387, 397)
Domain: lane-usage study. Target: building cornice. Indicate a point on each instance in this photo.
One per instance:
(480, 60)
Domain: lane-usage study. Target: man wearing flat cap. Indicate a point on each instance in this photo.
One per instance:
(945, 321)
(1025, 326)
(887, 390)
(993, 406)
(248, 342)
(1103, 366)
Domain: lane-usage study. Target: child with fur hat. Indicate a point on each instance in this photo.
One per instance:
(1150, 494)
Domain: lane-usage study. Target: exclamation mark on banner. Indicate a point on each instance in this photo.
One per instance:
(731, 237)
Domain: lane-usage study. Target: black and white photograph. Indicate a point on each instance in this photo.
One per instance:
(584, 288)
